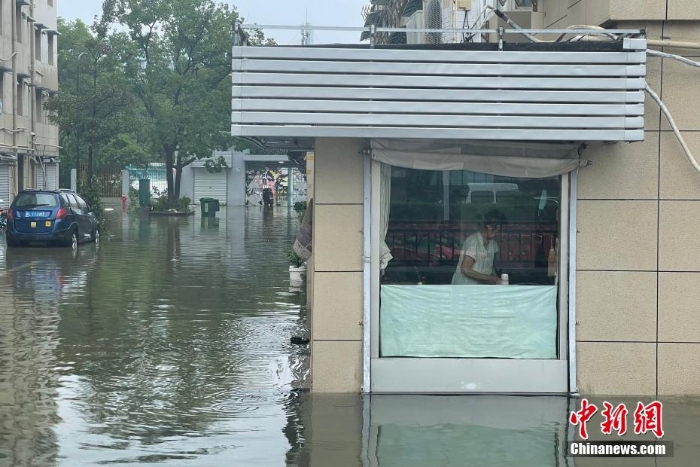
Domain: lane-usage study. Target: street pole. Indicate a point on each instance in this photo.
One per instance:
(77, 134)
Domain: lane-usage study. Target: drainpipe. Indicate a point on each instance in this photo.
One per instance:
(14, 97)
(32, 88)
(573, 199)
(366, 275)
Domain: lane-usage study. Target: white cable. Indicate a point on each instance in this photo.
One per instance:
(674, 56)
(688, 154)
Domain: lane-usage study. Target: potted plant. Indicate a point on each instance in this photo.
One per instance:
(297, 268)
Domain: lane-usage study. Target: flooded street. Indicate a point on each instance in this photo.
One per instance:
(169, 344)
(169, 340)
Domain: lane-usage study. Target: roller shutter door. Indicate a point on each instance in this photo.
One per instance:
(5, 185)
(210, 185)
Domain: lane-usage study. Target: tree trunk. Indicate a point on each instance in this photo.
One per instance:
(178, 175)
(89, 167)
(169, 159)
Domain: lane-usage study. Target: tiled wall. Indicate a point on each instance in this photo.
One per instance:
(336, 328)
(638, 289)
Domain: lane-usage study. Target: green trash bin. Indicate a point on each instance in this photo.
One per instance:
(209, 206)
(144, 192)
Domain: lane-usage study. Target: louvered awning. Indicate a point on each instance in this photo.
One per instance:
(557, 92)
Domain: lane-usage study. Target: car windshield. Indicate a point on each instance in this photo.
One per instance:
(36, 200)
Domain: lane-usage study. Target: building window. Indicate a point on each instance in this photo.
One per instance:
(50, 2)
(39, 108)
(20, 98)
(37, 45)
(450, 235)
(50, 49)
(2, 92)
(20, 24)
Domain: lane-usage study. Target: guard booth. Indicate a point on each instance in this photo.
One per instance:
(413, 145)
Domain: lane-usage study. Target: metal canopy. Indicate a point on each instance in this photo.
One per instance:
(544, 91)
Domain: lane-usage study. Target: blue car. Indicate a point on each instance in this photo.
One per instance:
(50, 218)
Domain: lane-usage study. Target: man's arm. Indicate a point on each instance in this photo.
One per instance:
(468, 264)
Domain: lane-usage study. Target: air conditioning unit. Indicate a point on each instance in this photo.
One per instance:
(415, 22)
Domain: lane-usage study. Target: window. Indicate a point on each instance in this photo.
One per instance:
(50, 2)
(39, 106)
(38, 37)
(452, 236)
(34, 200)
(20, 97)
(73, 201)
(20, 25)
(51, 49)
(81, 202)
(2, 92)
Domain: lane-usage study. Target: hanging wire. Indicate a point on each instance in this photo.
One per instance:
(664, 109)
(675, 57)
(676, 131)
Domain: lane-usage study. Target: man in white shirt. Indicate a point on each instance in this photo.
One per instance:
(476, 263)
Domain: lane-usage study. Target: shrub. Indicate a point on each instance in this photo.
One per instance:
(294, 259)
(162, 204)
(92, 197)
(300, 207)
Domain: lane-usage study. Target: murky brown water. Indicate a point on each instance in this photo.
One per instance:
(169, 344)
(169, 341)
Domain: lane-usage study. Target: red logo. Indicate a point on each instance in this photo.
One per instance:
(581, 417)
(615, 419)
(646, 418)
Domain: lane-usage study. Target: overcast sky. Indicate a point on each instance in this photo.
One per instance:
(270, 12)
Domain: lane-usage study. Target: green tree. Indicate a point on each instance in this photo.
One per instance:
(94, 107)
(179, 68)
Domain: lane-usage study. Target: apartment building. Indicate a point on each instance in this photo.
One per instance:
(29, 146)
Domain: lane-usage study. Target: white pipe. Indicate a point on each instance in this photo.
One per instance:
(366, 275)
(573, 187)
(677, 132)
(680, 58)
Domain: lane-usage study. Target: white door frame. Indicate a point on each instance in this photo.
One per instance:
(475, 376)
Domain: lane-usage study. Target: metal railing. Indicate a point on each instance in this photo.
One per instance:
(240, 37)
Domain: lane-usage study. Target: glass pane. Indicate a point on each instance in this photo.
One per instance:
(35, 200)
(454, 237)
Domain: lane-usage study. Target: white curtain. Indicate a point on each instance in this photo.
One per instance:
(385, 189)
(505, 158)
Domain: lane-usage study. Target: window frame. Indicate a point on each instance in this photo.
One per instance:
(475, 375)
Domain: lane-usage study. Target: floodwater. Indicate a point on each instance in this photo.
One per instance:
(169, 344)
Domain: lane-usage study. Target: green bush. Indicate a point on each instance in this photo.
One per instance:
(162, 204)
(294, 259)
(92, 197)
(300, 207)
(133, 198)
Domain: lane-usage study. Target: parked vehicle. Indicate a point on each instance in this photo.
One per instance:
(50, 217)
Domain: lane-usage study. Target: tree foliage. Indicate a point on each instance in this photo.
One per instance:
(149, 79)
(178, 66)
(94, 108)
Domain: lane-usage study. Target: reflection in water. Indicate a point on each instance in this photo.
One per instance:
(169, 344)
